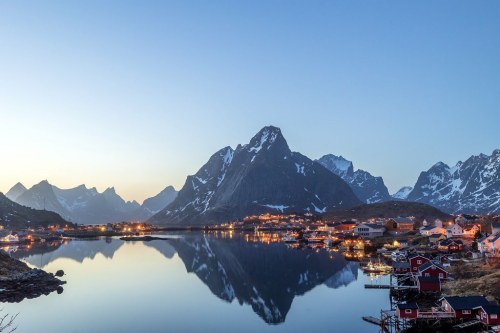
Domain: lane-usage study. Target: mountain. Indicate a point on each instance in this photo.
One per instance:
(15, 216)
(16, 191)
(403, 192)
(160, 201)
(267, 277)
(389, 209)
(471, 187)
(85, 205)
(368, 188)
(258, 177)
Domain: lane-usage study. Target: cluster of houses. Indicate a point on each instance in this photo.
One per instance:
(461, 308)
(428, 276)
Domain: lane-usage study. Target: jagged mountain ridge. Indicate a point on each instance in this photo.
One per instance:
(472, 186)
(16, 216)
(368, 188)
(16, 191)
(261, 176)
(88, 206)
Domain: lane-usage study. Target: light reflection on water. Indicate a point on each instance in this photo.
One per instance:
(199, 283)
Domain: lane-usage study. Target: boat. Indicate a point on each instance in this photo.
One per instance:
(315, 238)
(377, 267)
(290, 238)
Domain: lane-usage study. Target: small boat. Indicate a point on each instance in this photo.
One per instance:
(377, 267)
(290, 238)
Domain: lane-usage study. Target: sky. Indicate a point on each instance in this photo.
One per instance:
(139, 94)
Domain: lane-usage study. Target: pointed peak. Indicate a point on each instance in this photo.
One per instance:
(19, 186)
(110, 190)
(440, 165)
(495, 152)
(337, 164)
(266, 138)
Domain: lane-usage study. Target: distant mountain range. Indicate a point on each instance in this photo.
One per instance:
(261, 176)
(472, 186)
(266, 176)
(87, 205)
(368, 188)
(16, 216)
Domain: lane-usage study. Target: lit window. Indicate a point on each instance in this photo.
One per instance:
(466, 311)
(408, 311)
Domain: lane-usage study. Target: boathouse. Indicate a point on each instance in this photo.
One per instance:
(401, 268)
(462, 307)
(450, 245)
(416, 261)
(488, 314)
(432, 269)
(428, 284)
(407, 310)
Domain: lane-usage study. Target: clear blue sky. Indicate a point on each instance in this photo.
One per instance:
(138, 94)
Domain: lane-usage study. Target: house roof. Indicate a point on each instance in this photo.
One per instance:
(402, 220)
(372, 225)
(447, 242)
(429, 227)
(494, 239)
(436, 235)
(466, 302)
(453, 226)
(430, 264)
(401, 265)
(404, 306)
(411, 256)
(490, 309)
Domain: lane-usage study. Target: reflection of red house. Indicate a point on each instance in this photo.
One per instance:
(463, 307)
(429, 284)
(416, 261)
(407, 311)
(432, 269)
(488, 314)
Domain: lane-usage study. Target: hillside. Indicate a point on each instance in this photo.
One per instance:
(390, 209)
(15, 216)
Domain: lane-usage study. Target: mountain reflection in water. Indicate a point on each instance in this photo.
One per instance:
(265, 276)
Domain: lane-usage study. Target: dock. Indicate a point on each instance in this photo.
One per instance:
(372, 320)
(467, 324)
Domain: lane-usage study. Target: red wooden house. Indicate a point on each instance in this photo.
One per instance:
(416, 261)
(462, 307)
(429, 284)
(432, 269)
(488, 314)
(407, 310)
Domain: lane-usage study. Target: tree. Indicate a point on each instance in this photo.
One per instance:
(7, 322)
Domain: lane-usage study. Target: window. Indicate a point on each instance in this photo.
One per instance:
(427, 274)
(493, 316)
(441, 275)
(466, 311)
(408, 311)
(419, 262)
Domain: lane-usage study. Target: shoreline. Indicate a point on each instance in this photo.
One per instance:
(18, 281)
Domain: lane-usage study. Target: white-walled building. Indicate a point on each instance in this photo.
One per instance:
(454, 230)
(369, 230)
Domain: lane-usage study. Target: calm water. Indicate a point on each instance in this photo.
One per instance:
(198, 283)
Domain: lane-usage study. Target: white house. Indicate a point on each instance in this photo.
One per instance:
(454, 230)
(490, 244)
(438, 223)
(369, 230)
(432, 230)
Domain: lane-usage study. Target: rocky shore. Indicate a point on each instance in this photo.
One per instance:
(18, 281)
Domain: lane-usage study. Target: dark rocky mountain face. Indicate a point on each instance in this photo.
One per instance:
(472, 186)
(265, 276)
(16, 191)
(160, 201)
(15, 216)
(262, 176)
(368, 188)
(84, 205)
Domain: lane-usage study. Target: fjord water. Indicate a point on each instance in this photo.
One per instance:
(198, 283)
